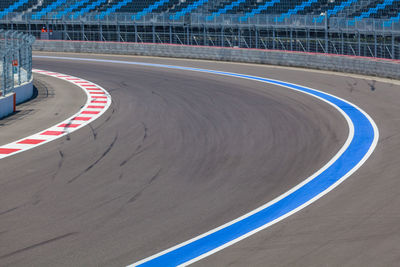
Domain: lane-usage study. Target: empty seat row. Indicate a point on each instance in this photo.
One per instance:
(371, 11)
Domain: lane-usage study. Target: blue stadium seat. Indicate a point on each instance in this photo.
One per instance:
(70, 8)
(225, 9)
(48, 9)
(113, 8)
(88, 8)
(12, 7)
(392, 20)
(371, 11)
(335, 10)
(259, 9)
(296, 9)
(188, 9)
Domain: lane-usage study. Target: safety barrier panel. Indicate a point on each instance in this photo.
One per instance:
(348, 64)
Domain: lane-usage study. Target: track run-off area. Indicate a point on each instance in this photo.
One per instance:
(188, 148)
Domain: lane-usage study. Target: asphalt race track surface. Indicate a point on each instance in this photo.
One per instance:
(180, 153)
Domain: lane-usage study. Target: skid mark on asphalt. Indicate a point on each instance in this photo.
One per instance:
(97, 161)
(37, 245)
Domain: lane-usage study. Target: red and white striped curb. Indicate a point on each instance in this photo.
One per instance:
(98, 101)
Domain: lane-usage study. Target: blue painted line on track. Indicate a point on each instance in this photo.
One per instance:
(360, 147)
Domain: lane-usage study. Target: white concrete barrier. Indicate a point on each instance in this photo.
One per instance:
(7, 105)
(24, 92)
(21, 94)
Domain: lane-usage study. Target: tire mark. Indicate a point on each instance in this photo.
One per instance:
(60, 163)
(138, 149)
(38, 245)
(138, 194)
(97, 161)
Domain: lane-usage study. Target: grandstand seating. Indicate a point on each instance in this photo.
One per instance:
(358, 9)
(336, 9)
(150, 8)
(388, 12)
(259, 9)
(92, 5)
(171, 4)
(296, 9)
(391, 21)
(225, 8)
(8, 6)
(47, 7)
(188, 9)
(73, 6)
(372, 10)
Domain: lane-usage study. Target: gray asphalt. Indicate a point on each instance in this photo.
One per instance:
(180, 153)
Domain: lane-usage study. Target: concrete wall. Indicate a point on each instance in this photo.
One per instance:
(24, 92)
(21, 94)
(347, 64)
(7, 105)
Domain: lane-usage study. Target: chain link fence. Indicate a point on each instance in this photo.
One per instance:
(15, 60)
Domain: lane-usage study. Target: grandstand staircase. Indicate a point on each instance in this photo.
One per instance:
(320, 7)
(38, 4)
(357, 7)
(172, 7)
(180, 5)
(107, 5)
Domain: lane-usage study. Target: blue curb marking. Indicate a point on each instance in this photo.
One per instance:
(360, 147)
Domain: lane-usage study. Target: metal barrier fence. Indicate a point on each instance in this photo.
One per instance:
(379, 38)
(347, 64)
(15, 60)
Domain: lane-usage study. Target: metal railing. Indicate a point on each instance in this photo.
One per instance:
(15, 60)
(370, 37)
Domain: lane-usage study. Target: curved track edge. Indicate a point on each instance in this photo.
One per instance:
(98, 101)
(361, 142)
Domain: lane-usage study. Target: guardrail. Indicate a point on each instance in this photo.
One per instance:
(348, 64)
(15, 60)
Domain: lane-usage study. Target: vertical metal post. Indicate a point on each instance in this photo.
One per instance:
(291, 39)
(191, 35)
(342, 42)
(118, 32)
(19, 57)
(14, 44)
(256, 32)
(2, 73)
(204, 35)
(65, 31)
(239, 37)
(375, 46)
(4, 78)
(136, 33)
(82, 32)
(222, 36)
(100, 32)
(153, 29)
(30, 59)
(393, 56)
(273, 38)
(359, 43)
(326, 33)
(188, 35)
(170, 34)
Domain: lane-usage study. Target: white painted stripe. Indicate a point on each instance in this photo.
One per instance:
(70, 120)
